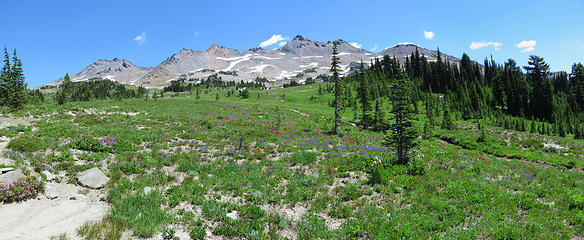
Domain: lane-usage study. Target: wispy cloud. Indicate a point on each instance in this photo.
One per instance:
(527, 46)
(355, 44)
(141, 39)
(197, 34)
(428, 35)
(477, 45)
(374, 47)
(273, 40)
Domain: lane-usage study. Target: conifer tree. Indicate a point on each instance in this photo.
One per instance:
(402, 133)
(541, 102)
(217, 96)
(363, 94)
(446, 120)
(379, 118)
(336, 78)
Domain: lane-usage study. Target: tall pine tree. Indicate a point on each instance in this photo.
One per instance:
(335, 69)
(402, 133)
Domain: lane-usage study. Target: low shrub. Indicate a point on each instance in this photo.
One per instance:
(25, 188)
(303, 158)
(26, 143)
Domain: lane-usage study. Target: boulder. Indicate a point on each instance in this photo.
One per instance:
(147, 190)
(10, 177)
(51, 195)
(5, 170)
(49, 175)
(92, 178)
(233, 215)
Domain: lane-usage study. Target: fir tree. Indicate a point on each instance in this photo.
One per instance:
(446, 120)
(402, 133)
(217, 96)
(336, 78)
(5, 77)
(379, 118)
(363, 94)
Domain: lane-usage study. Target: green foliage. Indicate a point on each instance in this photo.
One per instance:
(402, 133)
(26, 143)
(89, 143)
(304, 158)
(141, 212)
(311, 226)
(13, 93)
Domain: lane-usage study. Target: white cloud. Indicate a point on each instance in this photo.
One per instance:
(527, 45)
(140, 38)
(477, 45)
(355, 44)
(374, 47)
(428, 35)
(197, 33)
(281, 44)
(273, 40)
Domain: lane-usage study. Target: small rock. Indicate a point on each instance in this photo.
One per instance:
(76, 196)
(399, 190)
(10, 177)
(148, 190)
(5, 170)
(233, 215)
(51, 195)
(49, 175)
(92, 178)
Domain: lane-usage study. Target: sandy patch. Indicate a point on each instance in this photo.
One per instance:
(43, 218)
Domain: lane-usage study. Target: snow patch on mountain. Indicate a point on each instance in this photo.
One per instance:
(235, 60)
(311, 65)
(312, 57)
(260, 68)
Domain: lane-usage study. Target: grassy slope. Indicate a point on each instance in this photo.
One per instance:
(188, 150)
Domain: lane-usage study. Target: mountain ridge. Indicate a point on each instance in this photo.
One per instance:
(296, 60)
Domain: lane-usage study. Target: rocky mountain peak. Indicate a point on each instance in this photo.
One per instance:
(214, 47)
(299, 38)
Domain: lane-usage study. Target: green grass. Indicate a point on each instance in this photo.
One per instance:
(343, 187)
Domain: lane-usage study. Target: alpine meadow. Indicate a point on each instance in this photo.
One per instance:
(293, 138)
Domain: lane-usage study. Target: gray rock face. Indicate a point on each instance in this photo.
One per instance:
(51, 195)
(10, 177)
(92, 178)
(49, 175)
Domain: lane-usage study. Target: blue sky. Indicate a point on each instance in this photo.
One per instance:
(56, 37)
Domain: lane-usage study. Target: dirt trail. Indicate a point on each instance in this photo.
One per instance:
(448, 140)
(299, 112)
(41, 219)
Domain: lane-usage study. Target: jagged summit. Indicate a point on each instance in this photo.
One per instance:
(214, 46)
(299, 38)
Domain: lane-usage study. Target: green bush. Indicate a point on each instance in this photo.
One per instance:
(198, 232)
(88, 143)
(26, 143)
(303, 158)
